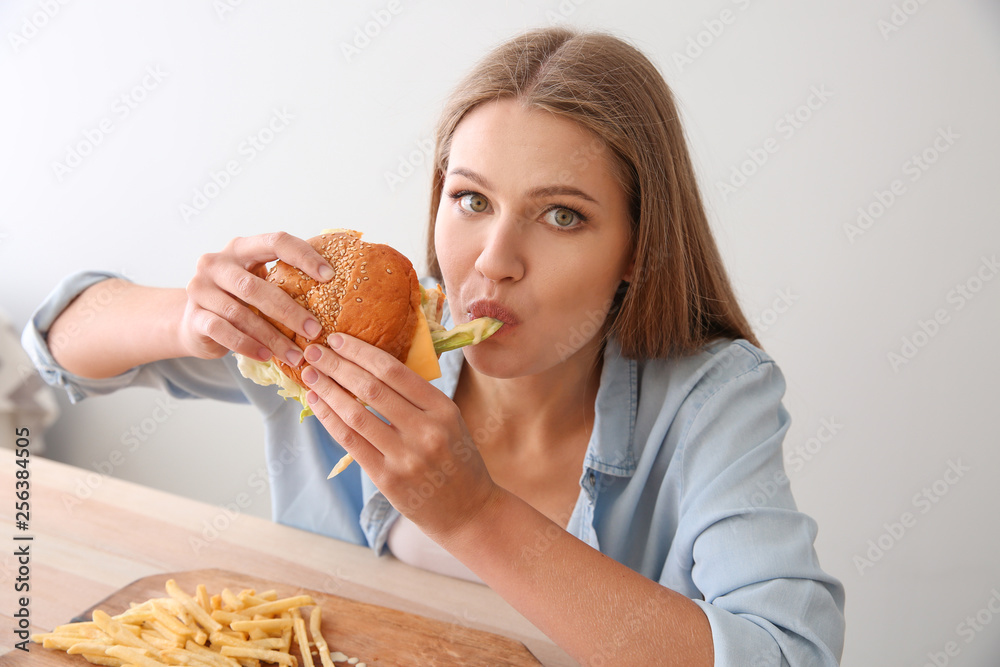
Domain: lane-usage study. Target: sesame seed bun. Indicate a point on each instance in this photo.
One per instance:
(374, 295)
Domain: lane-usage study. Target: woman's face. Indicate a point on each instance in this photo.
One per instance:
(532, 229)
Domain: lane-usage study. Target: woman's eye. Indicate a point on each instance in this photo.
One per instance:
(562, 217)
(473, 203)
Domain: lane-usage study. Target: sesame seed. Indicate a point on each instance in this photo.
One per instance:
(359, 299)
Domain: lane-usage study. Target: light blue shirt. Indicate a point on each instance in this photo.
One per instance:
(683, 482)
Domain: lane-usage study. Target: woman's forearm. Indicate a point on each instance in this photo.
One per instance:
(116, 325)
(598, 610)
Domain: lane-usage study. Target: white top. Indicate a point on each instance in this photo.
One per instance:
(409, 544)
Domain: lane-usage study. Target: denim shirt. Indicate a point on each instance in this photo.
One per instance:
(683, 481)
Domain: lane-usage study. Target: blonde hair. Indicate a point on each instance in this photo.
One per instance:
(680, 297)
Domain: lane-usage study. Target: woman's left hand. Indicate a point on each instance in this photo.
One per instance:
(424, 460)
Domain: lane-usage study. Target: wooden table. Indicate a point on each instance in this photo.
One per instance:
(95, 534)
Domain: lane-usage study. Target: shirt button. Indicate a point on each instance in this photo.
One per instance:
(592, 478)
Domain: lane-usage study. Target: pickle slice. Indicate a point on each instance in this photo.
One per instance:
(469, 333)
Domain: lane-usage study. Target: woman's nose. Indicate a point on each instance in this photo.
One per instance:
(501, 256)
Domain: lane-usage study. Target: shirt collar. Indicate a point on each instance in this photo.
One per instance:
(610, 450)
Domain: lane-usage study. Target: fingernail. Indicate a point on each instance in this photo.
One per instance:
(309, 375)
(312, 328)
(313, 353)
(325, 272)
(264, 354)
(312, 397)
(294, 358)
(335, 341)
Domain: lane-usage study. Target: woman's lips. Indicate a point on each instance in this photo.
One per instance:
(496, 310)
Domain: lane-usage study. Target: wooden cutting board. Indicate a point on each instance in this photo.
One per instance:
(376, 635)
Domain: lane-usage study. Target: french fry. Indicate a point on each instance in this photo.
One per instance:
(315, 621)
(192, 607)
(266, 655)
(267, 625)
(201, 594)
(302, 638)
(341, 466)
(231, 601)
(170, 623)
(208, 654)
(228, 617)
(61, 642)
(158, 641)
(277, 606)
(286, 634)
(119, 631)
(256, 635)
(223, 638)
(250, 598)
(81, 627)
(135, 656)
(88, 647)
(105, 660)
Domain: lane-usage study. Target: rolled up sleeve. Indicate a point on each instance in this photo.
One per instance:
(751, 551)
(181, 378)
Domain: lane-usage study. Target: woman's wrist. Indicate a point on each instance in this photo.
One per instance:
(477, 529)
(171, 325)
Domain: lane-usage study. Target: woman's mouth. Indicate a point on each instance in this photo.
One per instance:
(496, 310)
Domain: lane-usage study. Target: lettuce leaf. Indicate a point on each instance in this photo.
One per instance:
(267, 373)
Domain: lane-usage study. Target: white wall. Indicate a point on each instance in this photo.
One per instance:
(831, 306)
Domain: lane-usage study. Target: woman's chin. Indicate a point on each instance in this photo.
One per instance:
(495, 361)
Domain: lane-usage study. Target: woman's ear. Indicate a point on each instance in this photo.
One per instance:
(627, 276)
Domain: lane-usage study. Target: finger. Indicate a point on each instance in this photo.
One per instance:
(271, 300)
(348, 421)
(230, 322)
(325, 375)
(405, 382)
(255, 250)
(368, 388)
(209, 325)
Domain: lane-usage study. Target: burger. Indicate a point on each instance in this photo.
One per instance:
(374, 296)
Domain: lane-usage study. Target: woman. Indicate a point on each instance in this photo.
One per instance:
(610, 462)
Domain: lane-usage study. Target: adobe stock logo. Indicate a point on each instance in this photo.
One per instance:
(32, 25)
(423, 152)
(914, 168)
(783, 301)
(121, 108)
(899, 17)
(927, 329)
(712, 30)
(787, 126)
(924, 501)
(249, 149)
(364, 34)
(968, 629)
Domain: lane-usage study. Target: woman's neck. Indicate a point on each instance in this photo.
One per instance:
(543, 408)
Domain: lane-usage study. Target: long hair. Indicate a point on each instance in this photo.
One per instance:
(680, 297)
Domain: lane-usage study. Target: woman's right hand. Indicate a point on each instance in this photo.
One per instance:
(218, 316)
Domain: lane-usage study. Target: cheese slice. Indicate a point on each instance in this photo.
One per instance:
(422, 359)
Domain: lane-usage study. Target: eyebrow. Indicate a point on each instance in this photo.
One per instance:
(545, 191)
